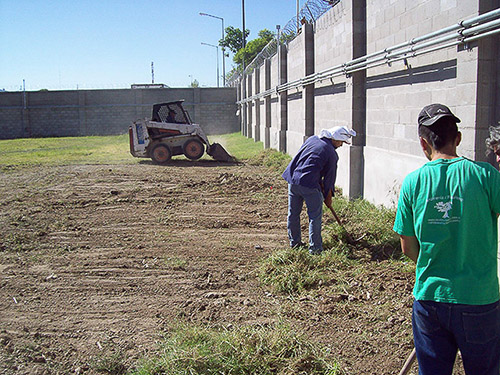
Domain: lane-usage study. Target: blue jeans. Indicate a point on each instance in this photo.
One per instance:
(297, 195)
(440, 329)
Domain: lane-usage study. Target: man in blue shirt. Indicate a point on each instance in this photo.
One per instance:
(311, 178)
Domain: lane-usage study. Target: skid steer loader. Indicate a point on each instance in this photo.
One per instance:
(171, 132)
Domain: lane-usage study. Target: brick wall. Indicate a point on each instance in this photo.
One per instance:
(108, 112)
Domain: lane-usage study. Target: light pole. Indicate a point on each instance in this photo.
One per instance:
(217, 47)
(223, 49)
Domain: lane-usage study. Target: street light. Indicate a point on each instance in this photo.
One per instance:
(223, 49)
(217, 47)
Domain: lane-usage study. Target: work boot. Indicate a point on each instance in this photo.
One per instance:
(298, 245)
(315, 251)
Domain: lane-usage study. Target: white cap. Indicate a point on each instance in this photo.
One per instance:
(339, 133)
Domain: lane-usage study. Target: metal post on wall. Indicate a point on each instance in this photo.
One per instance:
(24, 119)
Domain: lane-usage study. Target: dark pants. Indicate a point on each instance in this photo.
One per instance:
(440, 329)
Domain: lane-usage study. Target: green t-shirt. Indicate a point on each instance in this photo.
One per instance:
(451, 207)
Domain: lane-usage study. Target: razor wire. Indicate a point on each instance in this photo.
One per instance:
(309, 13)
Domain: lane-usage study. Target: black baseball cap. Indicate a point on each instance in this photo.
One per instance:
(433, 112)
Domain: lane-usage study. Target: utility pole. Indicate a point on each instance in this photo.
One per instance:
(152, 73)
(298, 22)
(217, 47)
(243, 79)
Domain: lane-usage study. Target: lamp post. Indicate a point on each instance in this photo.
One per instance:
(223, 49)
(217, 47)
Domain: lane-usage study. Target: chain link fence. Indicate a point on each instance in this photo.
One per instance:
(309, 13)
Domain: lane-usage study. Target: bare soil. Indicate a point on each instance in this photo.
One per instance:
(100, 259)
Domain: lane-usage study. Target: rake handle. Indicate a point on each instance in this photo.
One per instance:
(349, 238)
(409, 362)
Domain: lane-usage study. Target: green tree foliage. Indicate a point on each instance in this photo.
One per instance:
(253, 47)
(234, 42)
(233, 39)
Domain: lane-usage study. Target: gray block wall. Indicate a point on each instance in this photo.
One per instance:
(382, 103)
(109, 112)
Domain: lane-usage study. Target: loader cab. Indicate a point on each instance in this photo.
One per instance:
(171, 112)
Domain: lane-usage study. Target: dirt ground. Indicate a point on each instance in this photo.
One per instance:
(96, 259)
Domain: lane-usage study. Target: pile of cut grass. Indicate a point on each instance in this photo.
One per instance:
(190, 349)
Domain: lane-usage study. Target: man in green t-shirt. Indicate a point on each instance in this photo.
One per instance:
(447, 221)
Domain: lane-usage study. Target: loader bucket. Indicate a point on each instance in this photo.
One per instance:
(219, 153)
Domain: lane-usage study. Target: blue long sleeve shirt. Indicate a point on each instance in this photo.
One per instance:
(314, 164)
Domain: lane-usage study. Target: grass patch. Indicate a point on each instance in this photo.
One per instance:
(175, 263)
(110, 363)
(28, 152)
(272, 159)
(293, 271)
(373, 224)
(65, 150)
(189, 349)
(239, 146)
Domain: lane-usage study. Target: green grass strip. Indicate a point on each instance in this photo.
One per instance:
(29, 152)
(259, 350)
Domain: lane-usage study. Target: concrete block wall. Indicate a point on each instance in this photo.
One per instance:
(296, 107)
(382, 104)
(332, 47)
(12, 113)
(396, 94)
(109, 112)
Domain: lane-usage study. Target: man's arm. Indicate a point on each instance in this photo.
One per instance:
(410, 247)
(328, 198)
(329, 174)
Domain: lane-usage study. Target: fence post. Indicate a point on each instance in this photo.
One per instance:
(256, 104)
(243, 108)
(283, 98)
(309, 89)
(358, 115)
(248, 78)
(267, 104)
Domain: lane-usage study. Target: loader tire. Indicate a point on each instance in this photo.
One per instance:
(193, 149)
(161, 153)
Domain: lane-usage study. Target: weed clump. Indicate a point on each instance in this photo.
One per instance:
(189, 349)
(293, 271)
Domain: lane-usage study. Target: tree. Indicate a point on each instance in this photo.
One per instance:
(253, 47)
(233, 39)
(194, 84)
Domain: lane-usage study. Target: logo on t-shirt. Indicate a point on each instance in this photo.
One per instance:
(444, 206)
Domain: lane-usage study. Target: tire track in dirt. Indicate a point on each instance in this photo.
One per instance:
(113, 254)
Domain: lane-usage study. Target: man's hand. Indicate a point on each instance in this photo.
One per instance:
(410, 247)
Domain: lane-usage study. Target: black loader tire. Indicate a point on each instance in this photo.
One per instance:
(193, 149)
(161, 153)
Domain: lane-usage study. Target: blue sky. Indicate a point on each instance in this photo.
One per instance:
(85, 44)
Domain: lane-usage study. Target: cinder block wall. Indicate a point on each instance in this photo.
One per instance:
(109, 112)
(396, 94)
(296, 110)
(382, 103)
